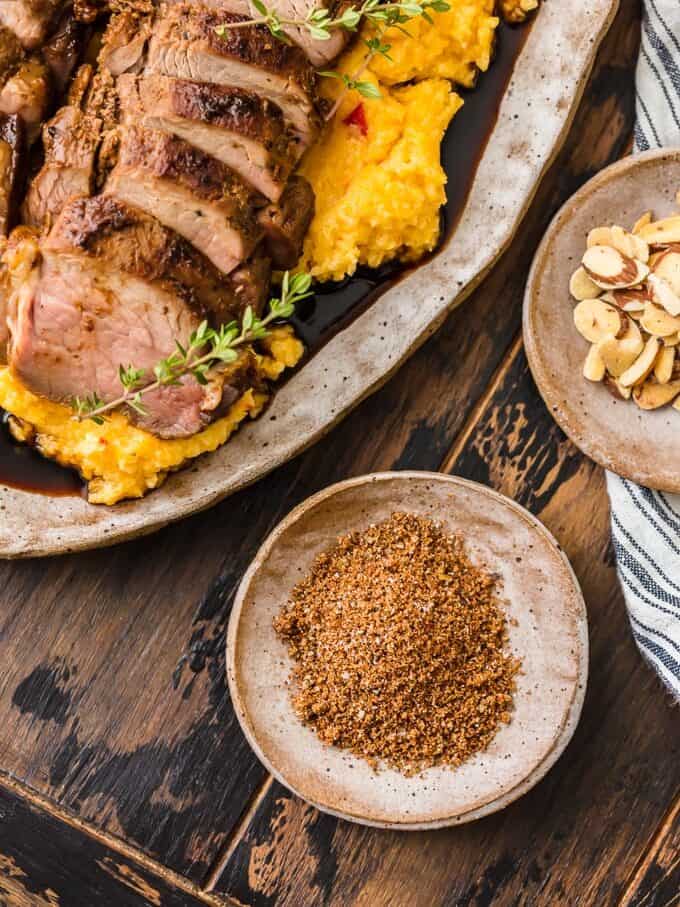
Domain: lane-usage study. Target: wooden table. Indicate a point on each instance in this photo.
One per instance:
(126, 780)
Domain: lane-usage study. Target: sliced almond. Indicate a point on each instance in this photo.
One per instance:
(599, 236)
(652, 395)
(631, 300)
(596, 320)
(663, 294)
(581, 286)
(643, 365)
(658, 322)
(593, 367)
(642, 221)
(611, 270)
(667, 267)
(663, 367)
(630, 245)
(676, 403)
(619, 355)
(661, 232)
(616, 389)
(672, 341)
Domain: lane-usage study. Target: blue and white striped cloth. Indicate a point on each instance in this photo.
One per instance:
(646, 524)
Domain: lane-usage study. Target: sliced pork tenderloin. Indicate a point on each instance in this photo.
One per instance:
(237, 127)
(285, 225)
(13, 169)
(11, 52)
(71, 139)
(65, 48)
(186, 45)
(74, 141)
(132, 242)
(124, 43)
(191, 193)
(318, 51)
(28, 93)
(75, 321)
(30, 20)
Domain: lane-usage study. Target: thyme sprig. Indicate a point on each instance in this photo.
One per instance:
(205, 350)
(320, 23)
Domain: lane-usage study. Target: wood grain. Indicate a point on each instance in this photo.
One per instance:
(656, 882)
(46, 863)
(583, 827)
(112, 694)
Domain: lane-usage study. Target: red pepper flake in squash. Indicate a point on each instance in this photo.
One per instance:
(357, 118)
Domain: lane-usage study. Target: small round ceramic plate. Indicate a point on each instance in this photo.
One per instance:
(547, 630)
(640, 445)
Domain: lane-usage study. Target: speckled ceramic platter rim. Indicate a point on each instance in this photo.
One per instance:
(549, 631)
(545, 88)
(642, 446)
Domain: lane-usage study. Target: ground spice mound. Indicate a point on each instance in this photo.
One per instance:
(399, 643)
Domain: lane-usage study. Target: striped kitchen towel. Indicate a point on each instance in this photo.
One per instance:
(646, 524)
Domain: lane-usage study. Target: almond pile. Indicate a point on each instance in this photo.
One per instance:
(628, 293)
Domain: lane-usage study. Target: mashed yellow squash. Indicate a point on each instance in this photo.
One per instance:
(456, 46)
(121, 461)
(379, 189)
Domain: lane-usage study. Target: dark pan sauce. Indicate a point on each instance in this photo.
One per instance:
(334, 305)
(23, 467)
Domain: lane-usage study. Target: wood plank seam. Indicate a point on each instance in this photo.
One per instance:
(635, 877)
(485, 398)
(45, 804)
(448, 463)
(237, 833)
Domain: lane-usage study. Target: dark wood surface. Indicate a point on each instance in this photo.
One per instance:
(127, 780)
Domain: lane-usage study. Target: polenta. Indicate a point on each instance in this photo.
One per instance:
(118, 460)
(379, 188)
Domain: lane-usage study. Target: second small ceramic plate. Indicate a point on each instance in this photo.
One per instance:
(640, 445)
(547, 630)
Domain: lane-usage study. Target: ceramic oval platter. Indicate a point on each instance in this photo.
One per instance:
(547, 629)
(547, 82)
(641, 445)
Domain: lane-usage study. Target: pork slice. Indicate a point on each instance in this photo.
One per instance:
(285, 225)
(13, 167)
(191, 193)
(124, 42)
(27, 93)
(318, 51)
(30, 20)
(238, 128)
(71, 139)
(65, 47)
(130, 241)
(4, 302)
(186, 45)
(11, 51)
(75, 322)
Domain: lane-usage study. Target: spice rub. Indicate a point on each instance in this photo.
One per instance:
(400, 647)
